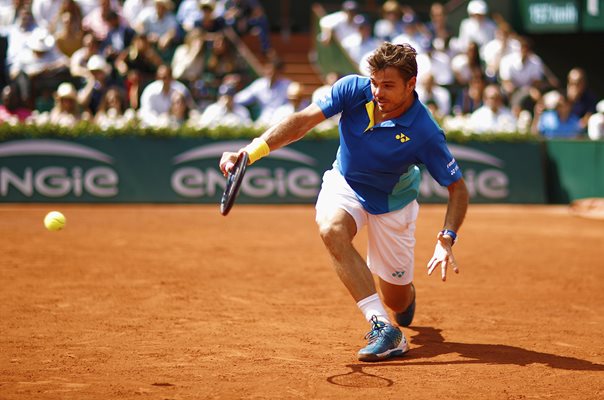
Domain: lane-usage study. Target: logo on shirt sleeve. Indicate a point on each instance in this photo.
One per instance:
(402, 137)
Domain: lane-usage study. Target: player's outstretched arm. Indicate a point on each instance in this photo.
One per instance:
(456, 212)
(285, 132)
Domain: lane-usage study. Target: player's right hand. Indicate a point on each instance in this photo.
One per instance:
(227, 161)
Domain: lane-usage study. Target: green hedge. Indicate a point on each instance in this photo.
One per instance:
(85, 129)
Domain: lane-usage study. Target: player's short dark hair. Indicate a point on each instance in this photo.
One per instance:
(399, 56)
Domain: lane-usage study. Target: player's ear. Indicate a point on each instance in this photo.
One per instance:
(412, 82)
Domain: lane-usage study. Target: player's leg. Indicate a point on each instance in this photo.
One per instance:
(400, 299)
(339, 217)
(337, 229)
(390, 256)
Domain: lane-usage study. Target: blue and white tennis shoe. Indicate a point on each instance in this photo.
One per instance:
(385, 341)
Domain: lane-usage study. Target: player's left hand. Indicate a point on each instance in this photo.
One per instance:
(443, 256)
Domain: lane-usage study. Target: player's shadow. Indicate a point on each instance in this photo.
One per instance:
(429, 343)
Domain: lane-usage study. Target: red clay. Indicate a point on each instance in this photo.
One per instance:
(178, 302)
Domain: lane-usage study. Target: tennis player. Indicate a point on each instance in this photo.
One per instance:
(385, 133)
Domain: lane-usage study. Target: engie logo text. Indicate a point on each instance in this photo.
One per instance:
(190, 180)
(38, 168)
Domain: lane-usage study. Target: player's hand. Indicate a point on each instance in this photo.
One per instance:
(227, 161)
(443, 256)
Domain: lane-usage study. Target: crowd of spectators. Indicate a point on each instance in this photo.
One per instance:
(481, 78)
(153, 63)
(168, 63)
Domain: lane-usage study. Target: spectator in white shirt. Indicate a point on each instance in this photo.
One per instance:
(595, 123)
(268, 92)
(390, 25)
(493, 116)
(225, 112)
(522, 77)
(39, 68)
(160, 25)
(493, 51)
(362, 42)
(478, 27)
(339, 25)
(156, 98)
(295, 102)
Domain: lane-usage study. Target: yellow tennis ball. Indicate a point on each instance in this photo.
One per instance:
(54, 221)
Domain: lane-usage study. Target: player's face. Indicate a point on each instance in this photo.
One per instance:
(392, 94)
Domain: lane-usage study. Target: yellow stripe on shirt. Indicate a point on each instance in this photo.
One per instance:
(370, 107)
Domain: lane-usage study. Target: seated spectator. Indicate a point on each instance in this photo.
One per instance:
(295, 102)
(340, 24)
(156, 98)
(138, 64)
(223, 60)
(390, 25)
(493, 51)
(66, 112)
(40, 68)
(45, 12)
(469, 98)
(583, 100)
(267, 92)
(438, 26)
(224, 112)
(427, 89)
(478, 27)
(71, 7)
(248, 16)
(79, 59)
(97, 21)
(493, 116)
(133, 9)
(189, 57)
(18, 34)
(188, 14)
(361, 42)
(467, 64)
(12, 110)
(98, 82)
(522, 77)
(112, 111)
(161, 27)
(70, 36)
(178, 113)
(437, 62)
(209, 22)
(119, 37)
(414, 33)
(595, 124)
(553, 118)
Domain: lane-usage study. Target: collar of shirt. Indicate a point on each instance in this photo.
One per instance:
(405, 119)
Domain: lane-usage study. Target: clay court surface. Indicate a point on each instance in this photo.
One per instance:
(178, 302)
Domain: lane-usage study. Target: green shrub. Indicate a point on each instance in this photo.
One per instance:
(86, 129)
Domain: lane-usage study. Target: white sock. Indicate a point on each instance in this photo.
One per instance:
(371, 306)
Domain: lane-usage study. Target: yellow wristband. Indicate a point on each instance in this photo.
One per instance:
(257, 149)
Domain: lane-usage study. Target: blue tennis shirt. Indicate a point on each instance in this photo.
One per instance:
(380, 162)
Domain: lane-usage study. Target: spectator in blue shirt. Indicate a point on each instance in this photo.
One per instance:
(554, 118)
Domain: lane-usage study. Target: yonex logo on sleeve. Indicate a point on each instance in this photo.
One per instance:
(402, 137)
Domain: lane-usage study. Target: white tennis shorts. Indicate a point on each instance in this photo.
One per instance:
(391, 236)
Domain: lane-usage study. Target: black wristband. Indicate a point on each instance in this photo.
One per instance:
(451, 233)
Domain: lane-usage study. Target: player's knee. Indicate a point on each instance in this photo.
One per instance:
(331, 233)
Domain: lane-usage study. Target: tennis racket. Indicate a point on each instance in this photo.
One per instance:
(233, 184)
